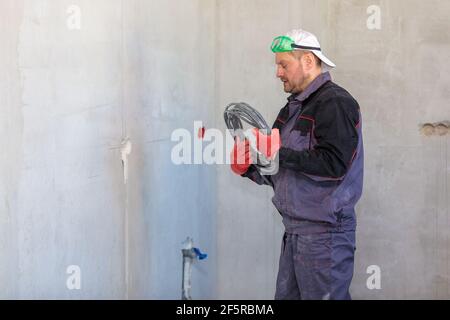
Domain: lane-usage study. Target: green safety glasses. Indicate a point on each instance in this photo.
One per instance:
(286, 44)
(282, 44)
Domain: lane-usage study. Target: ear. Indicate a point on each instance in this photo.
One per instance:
(309, 60)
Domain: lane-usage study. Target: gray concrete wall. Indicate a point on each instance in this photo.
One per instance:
(68, 99)
(61, 176)
(169, 54)
(400, 77)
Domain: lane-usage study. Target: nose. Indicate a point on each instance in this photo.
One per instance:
(279, 72)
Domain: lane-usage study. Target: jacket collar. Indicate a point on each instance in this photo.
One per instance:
(311, 88)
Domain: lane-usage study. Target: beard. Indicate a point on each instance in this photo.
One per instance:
(287, 87)
(294, 85)
(293, 88)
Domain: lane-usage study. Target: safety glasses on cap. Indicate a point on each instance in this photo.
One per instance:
(286, 44)
(282, 44)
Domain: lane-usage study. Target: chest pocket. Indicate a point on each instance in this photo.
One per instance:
(301, 134)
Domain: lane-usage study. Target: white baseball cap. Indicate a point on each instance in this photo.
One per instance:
(304, 40)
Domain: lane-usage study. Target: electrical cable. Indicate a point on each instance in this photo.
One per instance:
(234, 114)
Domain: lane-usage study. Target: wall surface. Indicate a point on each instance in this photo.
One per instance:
(400, 77)
(78, 79)
(169, 84)
(61, 174)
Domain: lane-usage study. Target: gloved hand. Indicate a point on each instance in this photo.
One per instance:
(240, 157)
(268, 145)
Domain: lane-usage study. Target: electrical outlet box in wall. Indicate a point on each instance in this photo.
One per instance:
(435, 129)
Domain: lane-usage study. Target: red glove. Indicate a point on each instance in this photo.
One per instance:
(268, 145)
(240, 157)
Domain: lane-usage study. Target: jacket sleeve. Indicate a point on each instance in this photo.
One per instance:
(335, 130)
(256, 177)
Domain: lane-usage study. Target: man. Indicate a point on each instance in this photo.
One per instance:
(320, 173)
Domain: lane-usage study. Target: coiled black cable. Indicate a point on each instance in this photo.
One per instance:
(234, 114)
